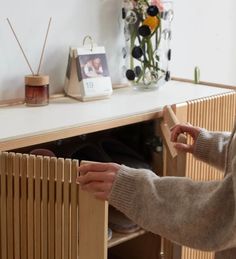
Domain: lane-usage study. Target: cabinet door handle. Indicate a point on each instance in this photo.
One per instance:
(170, 120)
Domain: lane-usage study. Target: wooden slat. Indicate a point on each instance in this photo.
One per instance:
(229, 110)
(202, 117)
(10, 243)
(74, 211)
(206, 125)
(59, 174)
(45, 176)
(169, 120)
(93, 221)
(3, 159)
(181, 114)
(233, 104)
(66, 212)
(209, 170)
(195, 163)
(16, 171)
(218, 111)
(37, 223)
(166, 136)
(51, 221)
(30, 206)
(23, 206)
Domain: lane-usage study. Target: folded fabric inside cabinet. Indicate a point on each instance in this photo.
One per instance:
(90, 151)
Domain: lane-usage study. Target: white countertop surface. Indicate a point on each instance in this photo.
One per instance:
(21, 121)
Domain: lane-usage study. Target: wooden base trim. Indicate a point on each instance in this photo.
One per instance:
(233, 87)
(17, 101)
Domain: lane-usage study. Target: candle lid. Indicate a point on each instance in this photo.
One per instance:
(36, 80)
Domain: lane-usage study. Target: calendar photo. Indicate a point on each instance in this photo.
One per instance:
(92, 66)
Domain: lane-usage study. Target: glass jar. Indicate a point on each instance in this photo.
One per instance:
(147, 35)
(36, 90)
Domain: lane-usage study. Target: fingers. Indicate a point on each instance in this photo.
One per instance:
(179, 129)
(100, 189)
(184, 128)
(184, 147)
(99, 167)
(95, 187)
(96, 177)
(101, 195)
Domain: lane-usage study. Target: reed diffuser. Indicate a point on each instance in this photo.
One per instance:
(36, 85)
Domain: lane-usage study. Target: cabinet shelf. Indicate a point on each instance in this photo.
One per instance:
(118, 238)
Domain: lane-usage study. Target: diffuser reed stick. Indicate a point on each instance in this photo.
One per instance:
(26, 59)
(44, 45)
(43, 49)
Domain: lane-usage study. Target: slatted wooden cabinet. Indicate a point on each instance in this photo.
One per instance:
(43, 212)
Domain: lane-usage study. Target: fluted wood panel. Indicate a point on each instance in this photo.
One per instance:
(215, 113)
(39, 207)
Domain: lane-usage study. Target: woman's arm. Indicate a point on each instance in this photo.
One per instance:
(189, 213)
(211, 148)
(186, 212)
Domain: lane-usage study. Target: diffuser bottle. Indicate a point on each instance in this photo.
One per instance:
(36, 90)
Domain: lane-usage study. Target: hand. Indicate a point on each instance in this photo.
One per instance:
(184, 128)
(98, 178)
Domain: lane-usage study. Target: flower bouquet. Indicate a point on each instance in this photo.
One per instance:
(147, 34)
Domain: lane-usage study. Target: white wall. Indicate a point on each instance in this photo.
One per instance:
(203, 35)
(71, 21)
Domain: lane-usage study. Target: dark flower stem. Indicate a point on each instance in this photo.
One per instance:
(146, 43)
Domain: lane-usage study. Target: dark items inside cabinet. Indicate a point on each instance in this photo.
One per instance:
(133, 145)
(142, 247)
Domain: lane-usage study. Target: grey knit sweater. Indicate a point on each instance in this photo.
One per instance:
(201, 215)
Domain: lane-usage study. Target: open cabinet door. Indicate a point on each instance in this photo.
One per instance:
(216, 113)
(175, 161)
(43, 213)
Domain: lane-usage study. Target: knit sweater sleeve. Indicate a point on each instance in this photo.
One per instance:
(186, 212)
(211, 148)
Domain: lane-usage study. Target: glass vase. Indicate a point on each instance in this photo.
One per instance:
(147, 42)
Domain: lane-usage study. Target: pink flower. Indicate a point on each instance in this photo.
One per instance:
(158, 4)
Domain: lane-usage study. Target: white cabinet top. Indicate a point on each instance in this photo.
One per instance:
(65, 117)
